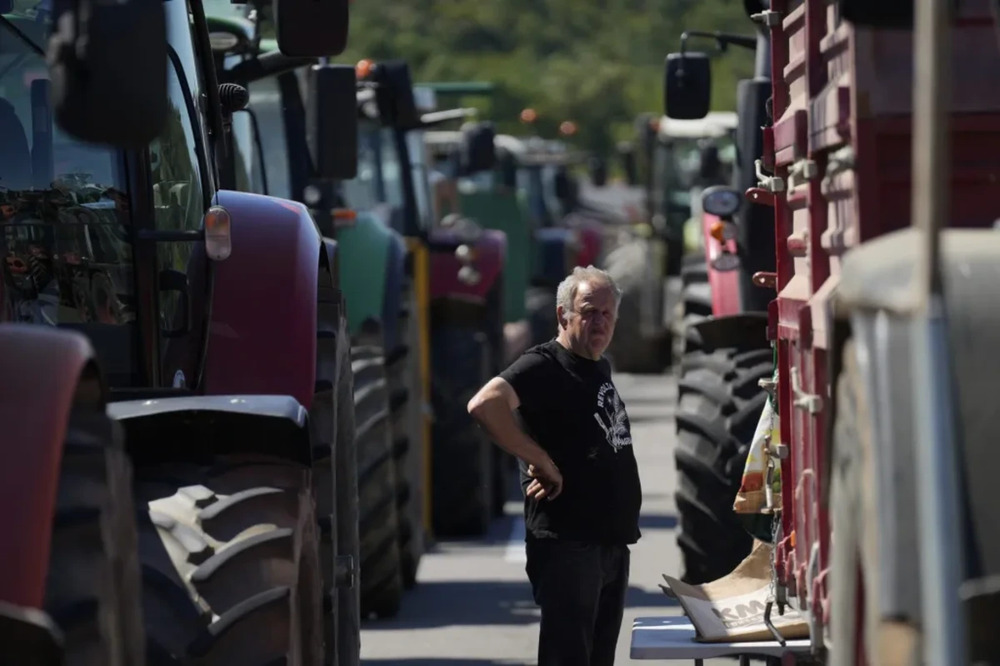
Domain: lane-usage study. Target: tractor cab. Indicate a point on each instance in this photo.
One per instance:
(687, 157)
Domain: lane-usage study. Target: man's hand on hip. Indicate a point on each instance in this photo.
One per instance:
(548, 481)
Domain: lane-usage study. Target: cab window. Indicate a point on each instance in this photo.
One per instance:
(65, 252)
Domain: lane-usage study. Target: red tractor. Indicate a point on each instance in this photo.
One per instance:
(879, 162)
(208, 403)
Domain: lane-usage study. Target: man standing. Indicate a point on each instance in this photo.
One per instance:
(578, 472)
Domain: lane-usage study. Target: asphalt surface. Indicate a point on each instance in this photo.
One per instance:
(472, 605)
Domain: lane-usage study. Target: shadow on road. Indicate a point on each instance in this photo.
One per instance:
(463, 603)
(437, 604)
(440, 661)
(657, 521)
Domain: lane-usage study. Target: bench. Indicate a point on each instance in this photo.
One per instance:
(673, 638)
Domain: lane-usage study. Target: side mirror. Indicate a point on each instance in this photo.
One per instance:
(870, 14)
(721, 201)
(687, 86)
(394, 94)
(598, 171)
(478, 148)
(332, 121)
(230, 35)
(310, 29)
(95, 46)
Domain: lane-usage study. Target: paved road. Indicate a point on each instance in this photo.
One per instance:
(472, 605)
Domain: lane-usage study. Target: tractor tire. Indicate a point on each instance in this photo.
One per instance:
(694, 306)
(629, 350)
(230, 563)
(719, 404)
(503, 463)
(334, 474)
(406, 406)
(92, 590)
(348, 646)
(541, 306)
(381, 566)
(462, 453)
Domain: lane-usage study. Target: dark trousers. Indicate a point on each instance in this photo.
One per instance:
(580, 588)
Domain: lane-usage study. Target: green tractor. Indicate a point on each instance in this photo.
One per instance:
(463, 297)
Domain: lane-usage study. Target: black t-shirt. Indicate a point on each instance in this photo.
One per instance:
(570, 406)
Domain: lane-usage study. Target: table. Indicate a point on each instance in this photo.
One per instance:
(670, 638)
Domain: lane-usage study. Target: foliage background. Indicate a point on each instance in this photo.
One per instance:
(598, 63)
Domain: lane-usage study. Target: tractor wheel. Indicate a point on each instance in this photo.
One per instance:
(719, 404)
(348, 512)
(462, 459)
(541, 307)
(503, 462)
(695, 304)
(230, 563)
(406, 403)
(92, 591)
(629, 350)
(335, 479)
(381, 570)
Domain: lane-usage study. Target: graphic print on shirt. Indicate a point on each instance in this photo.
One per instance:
(610, 415)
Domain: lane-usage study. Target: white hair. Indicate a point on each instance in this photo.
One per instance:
(566, 292)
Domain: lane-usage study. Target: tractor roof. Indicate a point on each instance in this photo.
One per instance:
(715, 124)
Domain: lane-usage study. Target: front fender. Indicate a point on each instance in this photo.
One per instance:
(198, 428)
(725, 285)
(364, 257)
(41, 368)
(551, 255)
(745, 331)
(262, 336)
(490, 255)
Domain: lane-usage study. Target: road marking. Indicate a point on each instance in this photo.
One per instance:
(515, 543)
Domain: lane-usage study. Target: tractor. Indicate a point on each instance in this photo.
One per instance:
(683, 157)
(877, 149)
(177, 470)
(723, 352)
(287, 117)
(463, 264)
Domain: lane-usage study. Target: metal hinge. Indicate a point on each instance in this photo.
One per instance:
(767, 17)
(802, 171)
(810, 402)
(772, 184)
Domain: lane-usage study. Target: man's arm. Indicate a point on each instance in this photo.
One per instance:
(493, 407)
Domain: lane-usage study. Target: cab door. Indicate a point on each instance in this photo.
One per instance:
(181, 183)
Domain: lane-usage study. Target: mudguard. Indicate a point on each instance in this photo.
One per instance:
(395, 273)
(725, 285)
(29, 636)
(490, 256)
(262, 336)
(41, 368)
(501, 211)
(198, 428)
(364, 258)
(872, 303)
(743, 331)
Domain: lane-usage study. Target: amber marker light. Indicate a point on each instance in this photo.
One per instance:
(218, 234)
